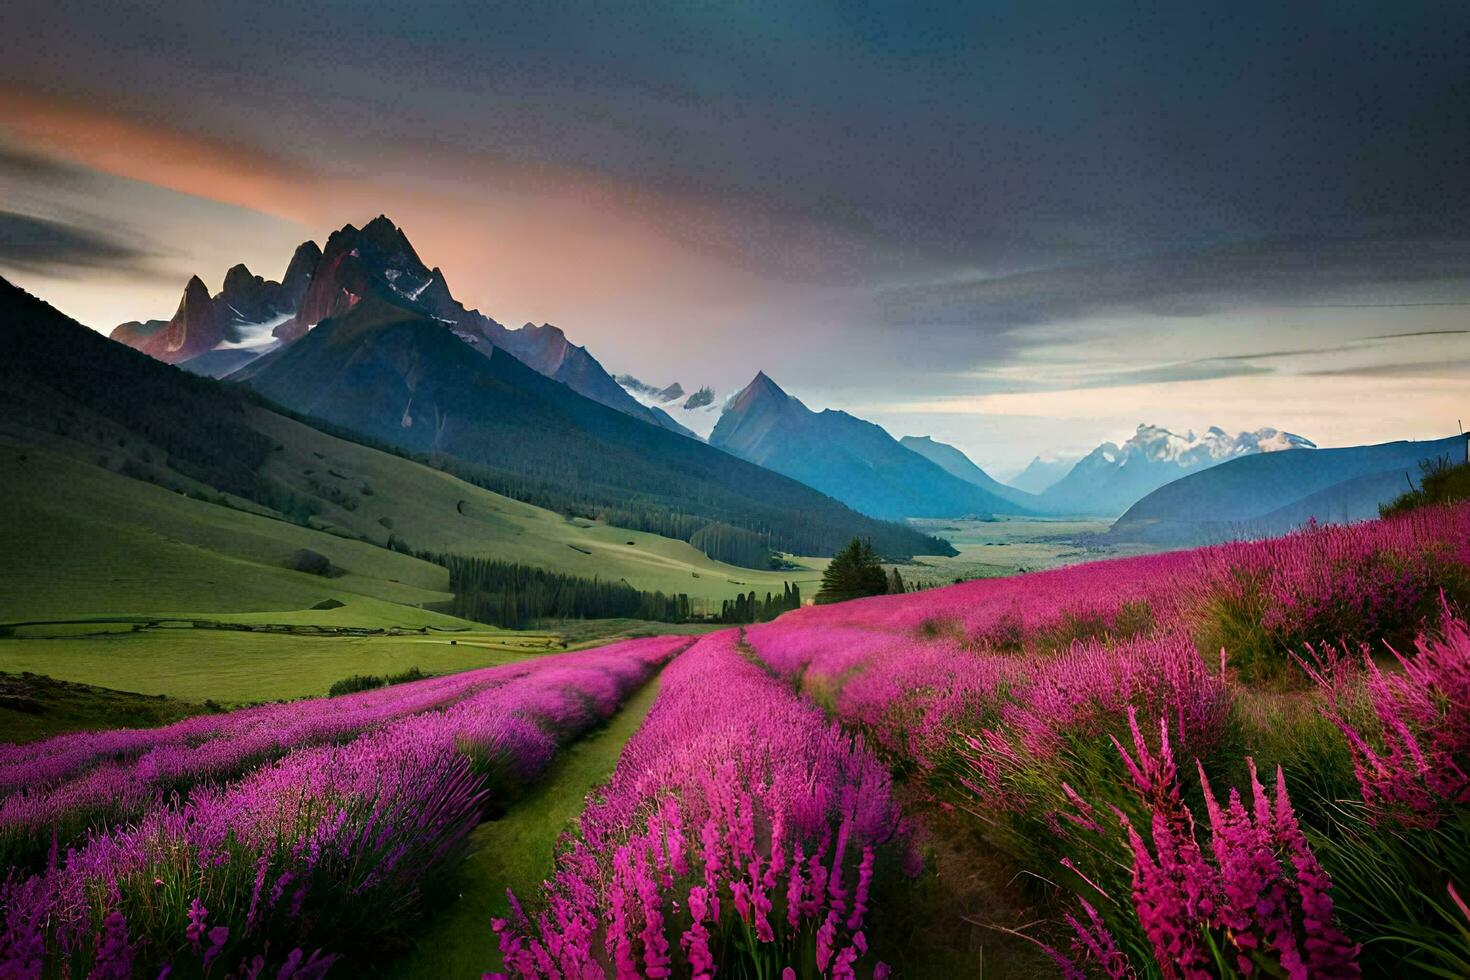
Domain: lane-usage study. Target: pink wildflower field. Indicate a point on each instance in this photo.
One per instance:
(1245, 760)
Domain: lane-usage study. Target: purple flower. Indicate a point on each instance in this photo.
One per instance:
(197, 915)
(788, 806)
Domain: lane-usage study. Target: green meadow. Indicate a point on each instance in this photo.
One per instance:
(123, 592)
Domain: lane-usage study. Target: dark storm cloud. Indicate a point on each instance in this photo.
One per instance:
(36, 244)
(33, 168)
(945, 135)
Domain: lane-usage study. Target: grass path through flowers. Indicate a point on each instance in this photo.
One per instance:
(515, 851)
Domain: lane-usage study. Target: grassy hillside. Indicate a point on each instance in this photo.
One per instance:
(80, 540)
(85, 541)
(34, 707)
(106, 413)
(429, 510)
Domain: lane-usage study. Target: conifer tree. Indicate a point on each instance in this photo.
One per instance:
(853, 573)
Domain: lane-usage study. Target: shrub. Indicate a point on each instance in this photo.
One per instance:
(354, 684)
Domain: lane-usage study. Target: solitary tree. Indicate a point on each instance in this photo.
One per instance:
(854, 572)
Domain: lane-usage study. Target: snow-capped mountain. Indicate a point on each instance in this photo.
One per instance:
(698, 412)
(1113, 477)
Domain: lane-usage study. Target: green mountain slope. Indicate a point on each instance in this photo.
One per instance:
(424, 509)
(404, 379)
(81, 540)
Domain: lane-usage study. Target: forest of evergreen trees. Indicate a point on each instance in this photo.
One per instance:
(514, 596)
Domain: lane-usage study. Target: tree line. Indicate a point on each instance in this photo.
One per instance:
(513, 596)
(747, 608)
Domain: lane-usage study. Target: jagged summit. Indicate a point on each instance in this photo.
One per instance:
(845, 457)
(252, 316)
(761, 386)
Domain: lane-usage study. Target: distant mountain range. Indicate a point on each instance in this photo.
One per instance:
(1262, 494)
(213, 335)
(698, 411)
(378, 348)
(217, 335)
(1042, 473)
(1111, 478)
(372, 279)
(845, 457)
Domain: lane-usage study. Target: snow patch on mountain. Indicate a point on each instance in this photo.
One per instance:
(1159, 445)
(258, 337)
(698, 412)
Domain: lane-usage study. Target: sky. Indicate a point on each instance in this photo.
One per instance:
(1021, 228)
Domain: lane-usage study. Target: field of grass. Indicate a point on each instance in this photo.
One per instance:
(80, 540)
(34, 707)
(234, 667)
(1006, 546)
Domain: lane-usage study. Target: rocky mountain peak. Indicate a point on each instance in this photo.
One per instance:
(238, 275)
(762, 386)
(194, 291)
(298, 274)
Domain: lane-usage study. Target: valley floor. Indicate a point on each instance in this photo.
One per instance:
(1007, 546)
